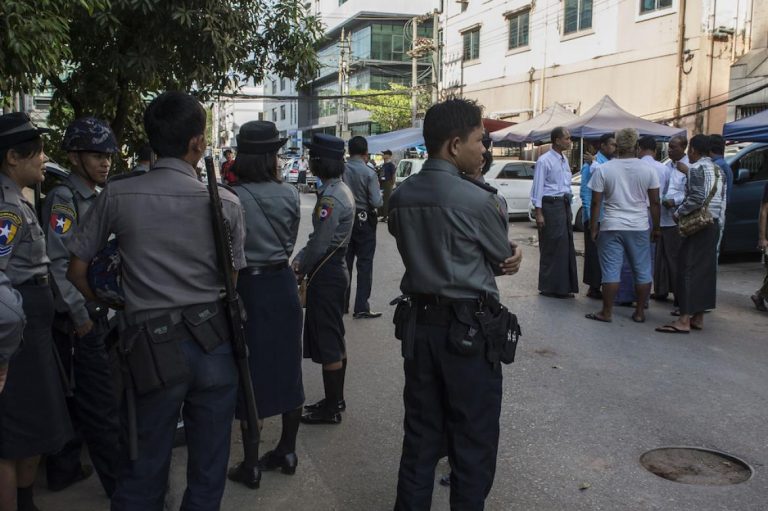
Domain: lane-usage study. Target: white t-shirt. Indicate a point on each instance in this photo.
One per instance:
(624, 184)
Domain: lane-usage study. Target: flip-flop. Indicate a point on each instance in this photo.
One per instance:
(595, 317)
(637, 319)
(671, 329)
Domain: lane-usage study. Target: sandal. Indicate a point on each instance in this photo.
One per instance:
(594, 316)
(759, 303)
(671, 329)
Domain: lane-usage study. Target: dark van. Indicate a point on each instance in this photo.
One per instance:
(750, 174)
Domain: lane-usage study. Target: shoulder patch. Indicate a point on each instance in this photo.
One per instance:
(10, 223)
(325, 207)
(62, 218)
(484, 186)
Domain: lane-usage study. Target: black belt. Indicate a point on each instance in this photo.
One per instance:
(556, 198)
(438, 310)
(270, 268)
(37, 280)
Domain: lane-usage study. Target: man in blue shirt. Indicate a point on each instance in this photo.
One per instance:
(592, 275)
(551, 196)
(717, 150)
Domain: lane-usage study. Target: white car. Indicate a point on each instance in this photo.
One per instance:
(407, 167)
(512, 178)
(290, 172)
(578, 222)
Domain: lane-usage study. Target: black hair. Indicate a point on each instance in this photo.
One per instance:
(700, 143)
(716, 144)
(326, 168)
(171, 120)
(227, 151)
(256, 168)
(487, 162)
(647, 143)
(454, 117)
(25, 149)
(683, 140)
(559, 132)
(603, 138)
(358, 146)
(144, 153)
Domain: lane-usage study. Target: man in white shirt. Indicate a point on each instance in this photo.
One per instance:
(672, 191)
(626, 185)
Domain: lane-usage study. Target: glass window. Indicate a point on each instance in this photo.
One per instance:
(471, 44)
(518, 29)
(757, 164)
(282, 112)
(360, 43)
(274, 115)
(282, 84)
(578, 16)
(274, 86)
(654, 5)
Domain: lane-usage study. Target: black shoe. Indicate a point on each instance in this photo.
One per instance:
(251, 477)
(342, 405)
(595, 294)
(366, 315)
(322, 416)
(85, 472)
(274, 460)
(556, 295)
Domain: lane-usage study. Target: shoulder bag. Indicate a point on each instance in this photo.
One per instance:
(697, 220)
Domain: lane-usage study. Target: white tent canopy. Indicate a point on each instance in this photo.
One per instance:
(394, 140)
(554, 116)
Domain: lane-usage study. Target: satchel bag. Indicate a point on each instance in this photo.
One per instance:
(697, 220)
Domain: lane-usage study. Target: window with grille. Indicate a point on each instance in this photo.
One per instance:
(578, 16)
(647, 6)
(471, 44)
(518, 29)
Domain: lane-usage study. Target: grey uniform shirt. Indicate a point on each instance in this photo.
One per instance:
(22, 240)
(11, 319)
(64, 206)
(332, 221)
(450, 234)
(272, 214)
(162, 222)
(364, 184)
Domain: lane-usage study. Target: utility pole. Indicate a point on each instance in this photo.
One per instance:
(340, 100)
(345, 112)
(435, 55)
(414, 71)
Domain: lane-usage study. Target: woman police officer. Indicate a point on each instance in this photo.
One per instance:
(268, 289)
(323, 262)
(33, 412)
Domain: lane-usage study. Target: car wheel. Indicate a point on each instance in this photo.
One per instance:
(578, 224)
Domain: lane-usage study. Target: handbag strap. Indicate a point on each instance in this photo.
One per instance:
(258, 203)
(317, 268)
(714, 186)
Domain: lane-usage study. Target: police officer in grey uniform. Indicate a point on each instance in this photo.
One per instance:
(322, 261)
(269, 293)
(363, 182)
(80, 327)
(176, 344)
(452, 373)
(33, 412)
(12, 322)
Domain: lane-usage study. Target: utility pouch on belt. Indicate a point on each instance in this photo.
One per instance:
(405, 324)
(501, 329)
(207, 324)
(153, 354)
(464, 333)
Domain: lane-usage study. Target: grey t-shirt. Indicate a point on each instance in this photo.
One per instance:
(624, 183)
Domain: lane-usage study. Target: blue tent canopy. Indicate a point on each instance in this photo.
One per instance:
(750, 129)
(608, 117)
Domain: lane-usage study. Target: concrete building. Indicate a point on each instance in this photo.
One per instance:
(517, 57)
(750, 71)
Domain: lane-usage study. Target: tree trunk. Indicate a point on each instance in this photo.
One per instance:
(121, 113)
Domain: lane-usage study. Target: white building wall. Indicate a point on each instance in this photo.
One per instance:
(631, 57)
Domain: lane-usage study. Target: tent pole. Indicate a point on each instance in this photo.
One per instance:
(581, 155)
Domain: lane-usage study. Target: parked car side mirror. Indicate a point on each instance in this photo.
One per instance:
(742, 176)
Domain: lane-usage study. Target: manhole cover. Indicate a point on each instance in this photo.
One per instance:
(694, 465)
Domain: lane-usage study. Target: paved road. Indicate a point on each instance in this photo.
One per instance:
(581, 404)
